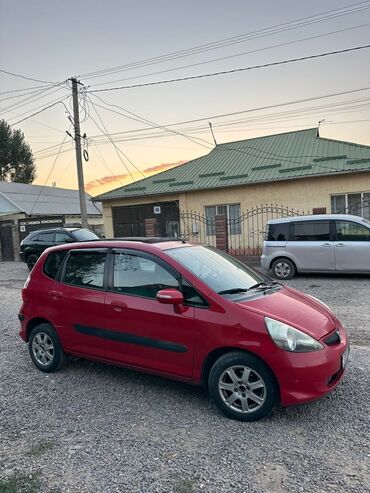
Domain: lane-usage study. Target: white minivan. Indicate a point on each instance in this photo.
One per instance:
(317, 243)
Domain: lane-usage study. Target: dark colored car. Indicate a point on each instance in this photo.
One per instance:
(187, 312)
(38, 241)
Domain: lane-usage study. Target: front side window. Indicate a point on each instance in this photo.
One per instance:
(85, 269)
(62, 238)
(140, 276)
(217, 270)
(311, 231)
(349, 231)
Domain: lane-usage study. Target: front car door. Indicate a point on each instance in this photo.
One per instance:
(311, 245)
(352, 246)
(79, 300)
(139, 330)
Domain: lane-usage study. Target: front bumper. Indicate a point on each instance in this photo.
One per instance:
(305, 377)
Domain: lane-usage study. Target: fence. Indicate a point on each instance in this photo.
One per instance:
(245, 233)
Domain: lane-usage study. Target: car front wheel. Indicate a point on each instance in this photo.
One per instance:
(243, 387)
(283, 269)
(45, 350)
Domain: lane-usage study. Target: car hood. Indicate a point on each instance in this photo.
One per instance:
(294, 308)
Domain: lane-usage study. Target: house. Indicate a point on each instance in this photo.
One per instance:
(247, 181)
(25, 208)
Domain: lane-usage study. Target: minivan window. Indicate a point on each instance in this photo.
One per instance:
(218, 270)
(349, 231)
(85, 269)
(278, 232)
(311, 231)
(52, 263)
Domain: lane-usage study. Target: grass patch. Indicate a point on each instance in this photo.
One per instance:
(41, 448)
(21, 483)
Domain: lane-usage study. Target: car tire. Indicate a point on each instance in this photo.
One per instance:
(45, 349)
(31, 260)
(243, 387)
(283, 269)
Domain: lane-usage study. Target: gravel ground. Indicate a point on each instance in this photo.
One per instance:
(97, 428)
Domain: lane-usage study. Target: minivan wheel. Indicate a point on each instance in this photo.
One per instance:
(31, 260)
(283, 268)
(243, 387)
(45, 350)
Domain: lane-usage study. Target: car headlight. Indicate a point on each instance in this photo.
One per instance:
(291, 339)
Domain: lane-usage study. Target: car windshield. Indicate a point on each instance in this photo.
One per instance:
(84, 235)
(219, 271)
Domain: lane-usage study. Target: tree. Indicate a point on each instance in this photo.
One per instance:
(16, 159)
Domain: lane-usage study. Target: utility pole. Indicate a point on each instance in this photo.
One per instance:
(80, 173)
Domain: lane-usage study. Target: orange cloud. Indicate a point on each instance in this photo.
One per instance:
(125, 178)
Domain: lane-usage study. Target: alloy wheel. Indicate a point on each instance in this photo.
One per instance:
(282, 270)
(43, 349)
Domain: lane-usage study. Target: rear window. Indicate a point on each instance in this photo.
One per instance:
(85, 269)
(53, 262)
(311, 231)
(84, 235)
(278, 232)
(45, 238)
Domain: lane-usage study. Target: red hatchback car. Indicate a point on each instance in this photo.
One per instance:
(183, 311)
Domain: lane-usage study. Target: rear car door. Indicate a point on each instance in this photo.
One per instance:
(79, 300)
(43, 241)
(139, 330)
(352, 247)
(312, 246)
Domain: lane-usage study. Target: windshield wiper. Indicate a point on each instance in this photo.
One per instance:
(265, 284)
(233, 291)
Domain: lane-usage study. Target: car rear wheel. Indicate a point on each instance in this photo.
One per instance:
(31, 260)
(45, 350)
(243, 387)
(283, 268)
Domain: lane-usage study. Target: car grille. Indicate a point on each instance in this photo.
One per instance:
(334, 338)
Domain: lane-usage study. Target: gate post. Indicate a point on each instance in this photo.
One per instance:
(151, 227)
(222, 237)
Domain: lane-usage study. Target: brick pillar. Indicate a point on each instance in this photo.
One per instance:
(151, 228)
(222, 242)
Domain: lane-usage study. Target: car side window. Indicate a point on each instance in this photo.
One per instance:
(278, 232)
(349, 231)
(53, 262)
(85, 269)
(62, 238)
(311, 231)
(140, 276)
(46, 238)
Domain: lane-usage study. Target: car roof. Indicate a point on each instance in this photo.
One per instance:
(316, 217)
(52, 230)
(143, 244)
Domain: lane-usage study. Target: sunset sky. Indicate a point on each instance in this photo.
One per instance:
(52, 41)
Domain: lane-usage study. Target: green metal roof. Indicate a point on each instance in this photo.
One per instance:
(278, 157)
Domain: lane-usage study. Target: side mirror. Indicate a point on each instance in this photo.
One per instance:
(68, 240)
(173, 297)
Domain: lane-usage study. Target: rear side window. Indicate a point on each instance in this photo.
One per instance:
(311, 231)
(85, 269)
(348, 231)
(45, 238)
(53, 262)
(278, 232)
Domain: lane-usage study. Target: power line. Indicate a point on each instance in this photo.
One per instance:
(27, 78)
(40, 111)
(224, 72)
(279, 45)
(293, 24)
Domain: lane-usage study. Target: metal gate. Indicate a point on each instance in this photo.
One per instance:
(245, 233)
(6, 241)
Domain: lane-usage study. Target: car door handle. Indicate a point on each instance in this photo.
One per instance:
(118, 306)
(56, 294)
(327, 245)
(340, 245)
